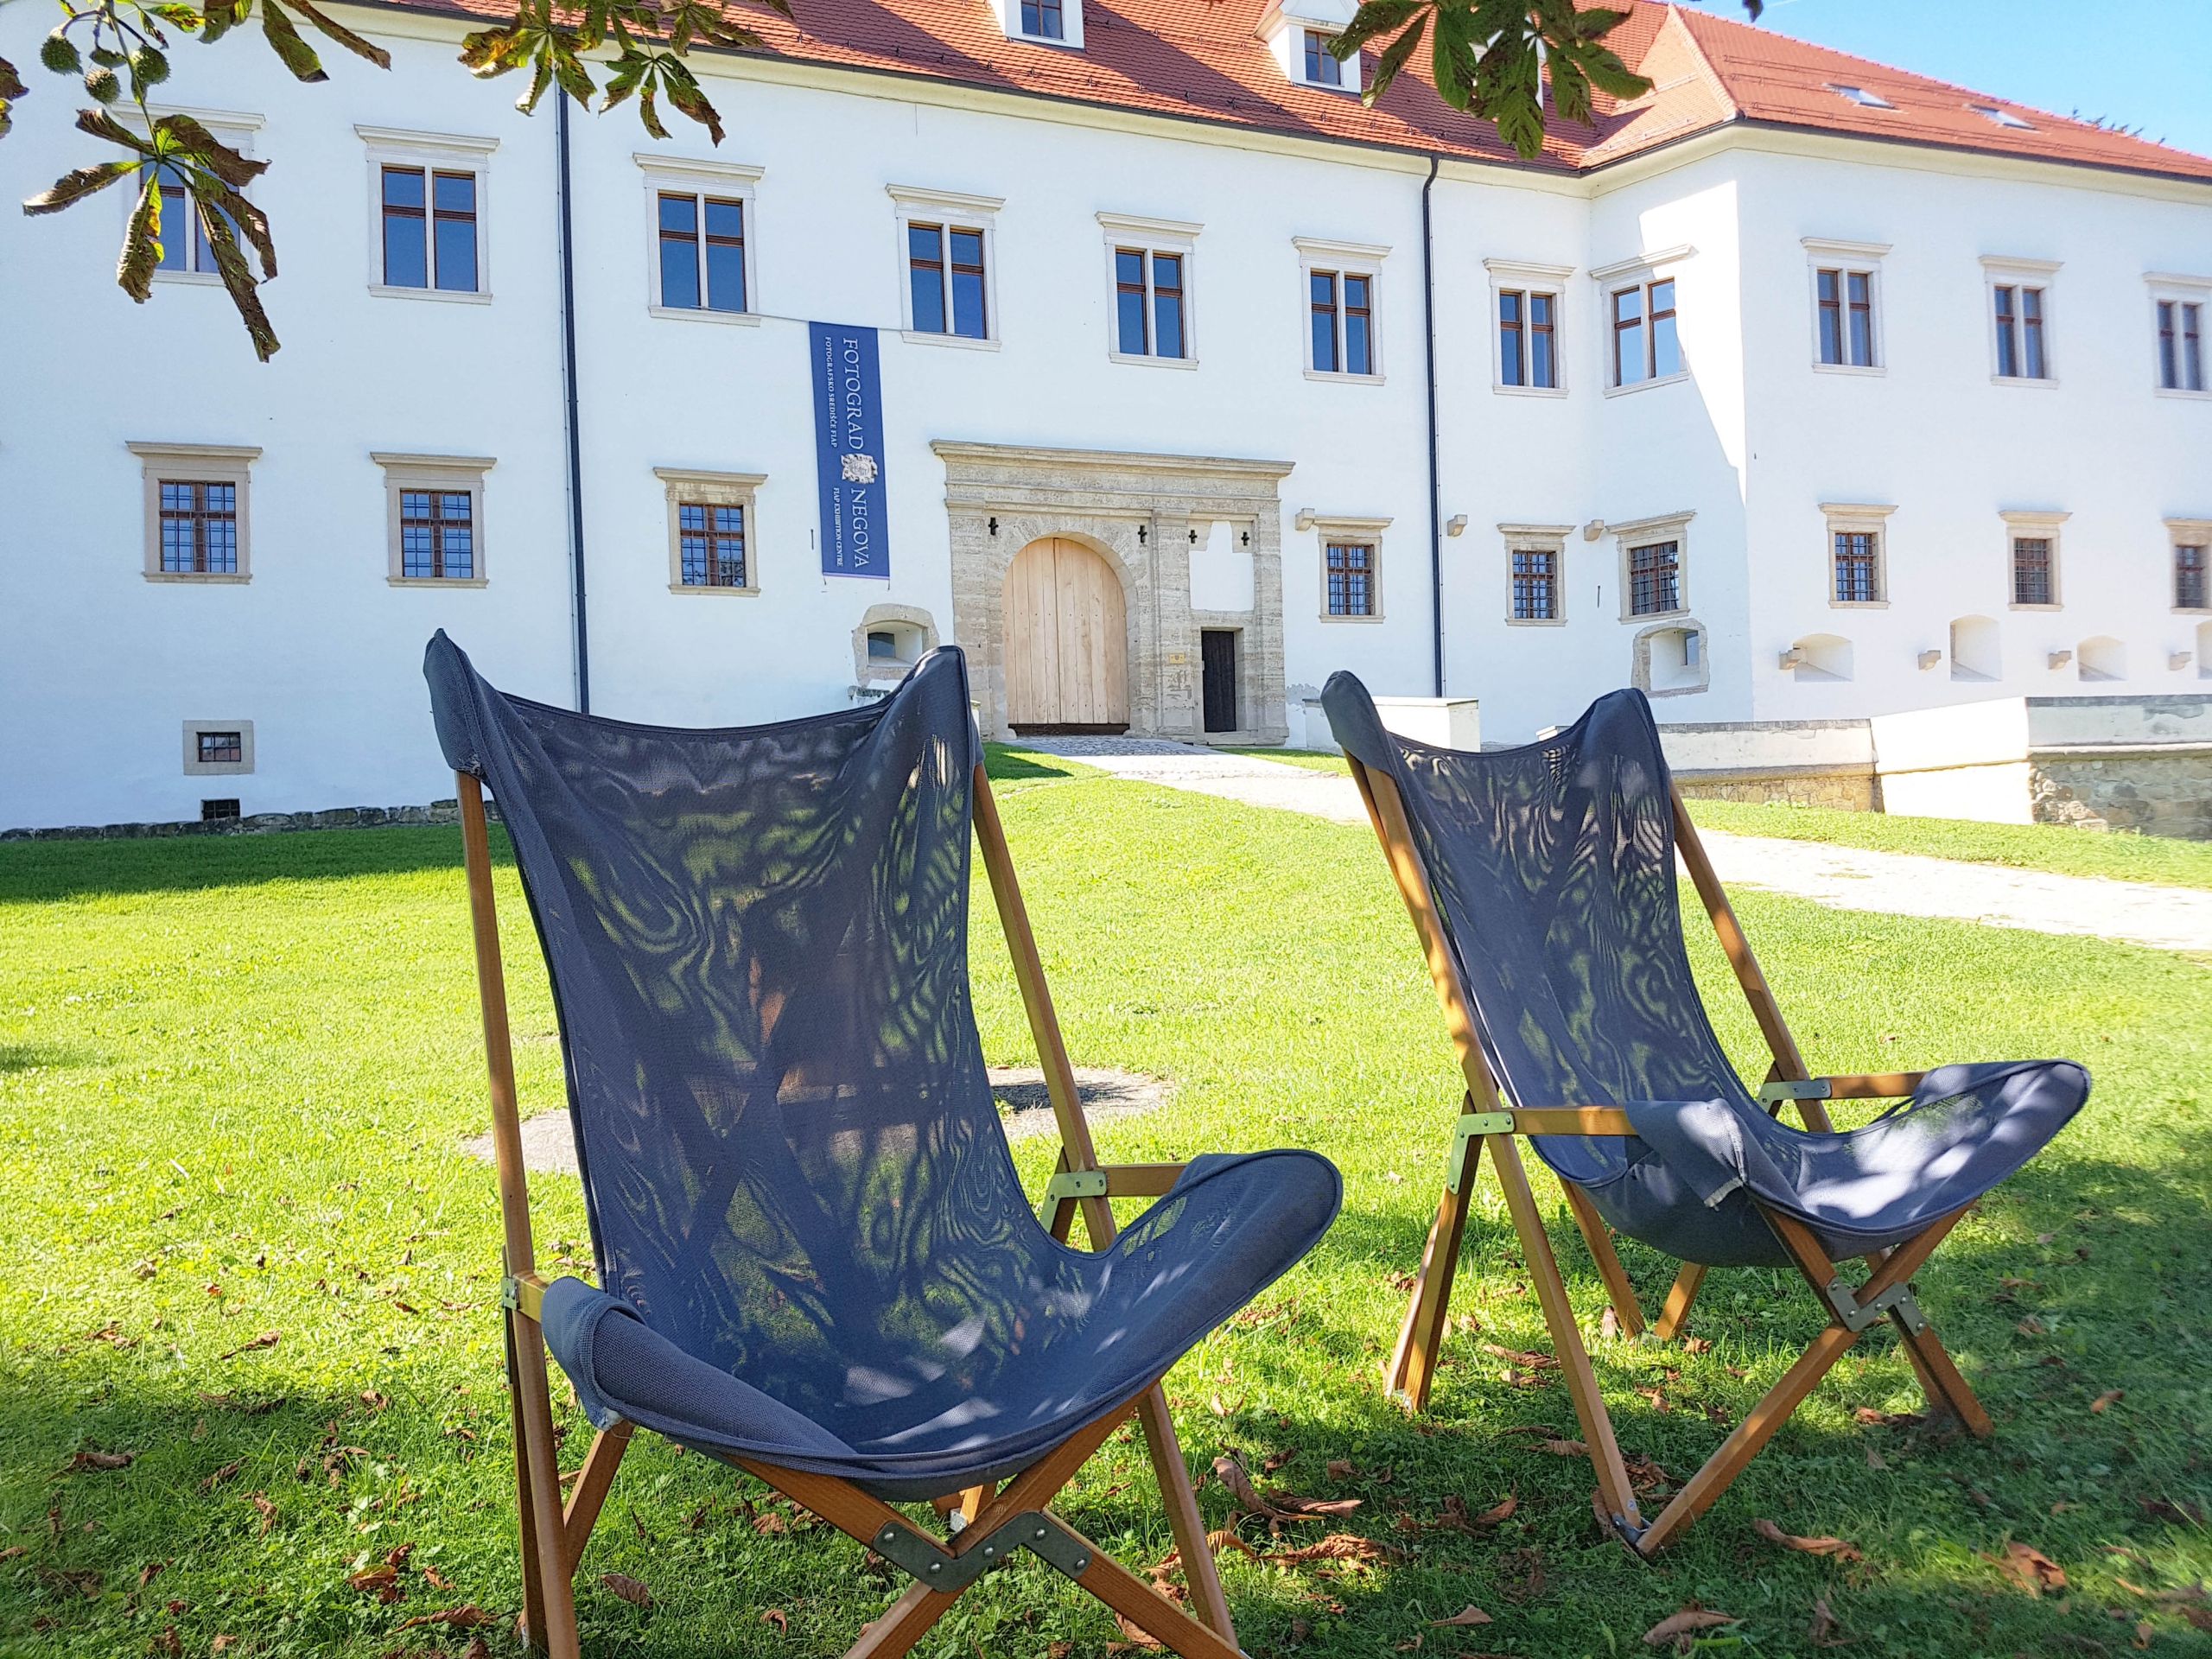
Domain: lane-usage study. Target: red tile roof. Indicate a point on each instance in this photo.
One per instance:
(1200, 60)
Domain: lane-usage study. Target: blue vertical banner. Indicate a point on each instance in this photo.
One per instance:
(848, 450)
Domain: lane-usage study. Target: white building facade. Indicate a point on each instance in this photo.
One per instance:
(1783, 420)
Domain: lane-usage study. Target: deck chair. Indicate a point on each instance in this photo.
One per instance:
(815, 1260)
(1541, 882)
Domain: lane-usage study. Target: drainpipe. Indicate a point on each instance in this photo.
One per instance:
(569, 392)
(1435, 511)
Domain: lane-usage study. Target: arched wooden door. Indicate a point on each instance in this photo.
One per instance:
(1067, 663)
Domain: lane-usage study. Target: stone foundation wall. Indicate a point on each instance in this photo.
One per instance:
(1848, 790)
(2153, 794)
(261, 823)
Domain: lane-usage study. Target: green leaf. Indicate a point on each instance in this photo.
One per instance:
(180, 138)
(1393, 60)
(11, 88)
(142, 241)
(1376, 17)
(178, 16)
(223, 16)
(283, 34)
(98, 123)
(684, 91)
(345, 36)
(74, 186)
(238, 280)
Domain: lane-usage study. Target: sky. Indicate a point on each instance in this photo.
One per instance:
(2142, 63)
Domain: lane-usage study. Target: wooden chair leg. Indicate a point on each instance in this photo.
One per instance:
(1946, 1390)
(906, 1621)
(1678, 1302)
(1595, 1234)
(1613, 1486)
(1146, 1608)
(533, 1584)
(557, 1631)
(594, 1481)
(1184, 1520)
(1412, 1370)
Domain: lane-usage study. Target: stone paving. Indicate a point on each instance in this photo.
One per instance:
(1897, 884)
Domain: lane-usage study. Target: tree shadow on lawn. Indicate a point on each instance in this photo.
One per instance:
(42, 871)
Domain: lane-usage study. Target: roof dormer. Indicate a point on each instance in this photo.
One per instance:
(1297, 32)
(1046, 22)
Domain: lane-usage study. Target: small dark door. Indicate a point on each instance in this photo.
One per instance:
(1217, 651)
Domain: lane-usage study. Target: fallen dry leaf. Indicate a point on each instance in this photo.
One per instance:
(1697, 1345)
(1404, 1280)
(1339, 1469)
(628, 1588)
(169, 1641)
(374, 1401)
(1337, 1546)
(2144, 1631)
(83, 1460)
(1875, 1460)
(220, 1643)
(265, 1510)
(2105, 1398)
(1565, 1448)
(1826, 1631)
(2035, 1571)
(1502, 1510)
(466, 1617)
(1218, 1542)
(1835, 1547)
(2030, 1326)
(221, 1474)
(1889, 1419)
(1677, 1628)
(266, 1340)
(1523, 1357)
(1137, 1637)
(779, 1619)
(1609, 1326)
(1275, 1460)
(436, 1579)
(1289, 1504)
(1469, 1614)
(2161, 1509)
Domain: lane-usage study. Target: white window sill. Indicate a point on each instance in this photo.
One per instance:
(1875, 369)
(1504, 390)
(2047, 383)
(1859, 604)
(2193, 610)
(1342, 88)
(1676, 690)
(1657, 616)
(2016, 606)
(1535, 621)
(210, 579)
(218, 769)
(703, 314)
(2183, 393)
(703, 589)
(436, 582)
(1337, 378)
(1329, 616)
(450, 295)
(1148, 361)
(1646, 386)
(189, 278)
(1063, 44)
(965, 342)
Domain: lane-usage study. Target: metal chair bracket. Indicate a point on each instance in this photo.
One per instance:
(1072, 1184)
(1809, 1089)
(1856, 1316)
(1471, 1126)
(945, 1573)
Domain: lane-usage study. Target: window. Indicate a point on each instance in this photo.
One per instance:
(426, 206)
(1536, 585)
(1042, 18)
(701, 253)
(2032, 570)
(890, 640)
(944, 244)
(2190, 592)
(711, 519)
(1343, 335)
(882, 645)
(1645, 345)
(1351, 579)
(186, 255)
(184, 238)
(195, 510)
(1654, 578)
(1860, 96)
(1321, 69)
(1528, 338)
(434, 513)
(1149, 260)
(1858, 568)
(2020, 312)
(2002, 117)
(2181, 345)
(1047, 23)
(222, 811)
(1847, 308)
(216, 747)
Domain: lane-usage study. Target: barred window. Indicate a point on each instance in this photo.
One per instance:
(711, 543)
(218, 748)
(1536, 585)
(199, 528)
(1857, 566)
(1351, 579)
(437, 535)
(2032, 583)
(1654, 578)
(2190, 591)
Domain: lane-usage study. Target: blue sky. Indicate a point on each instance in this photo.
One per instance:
(2143, 63)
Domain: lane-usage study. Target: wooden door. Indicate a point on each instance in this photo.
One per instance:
(1217, 687)
(1067, 665)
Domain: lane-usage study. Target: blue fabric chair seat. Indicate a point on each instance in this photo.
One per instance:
(1101, 1327)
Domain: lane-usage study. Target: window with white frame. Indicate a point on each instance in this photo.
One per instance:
(702, 229)
(428, 214)
(1047, 23)
(1344, 337)
(186, 254)
(1526, 301)
(2179, 307)
(1351, 566)
(2192, 579)
(711, 526)
(2019, 298)
(1654, 567)
(1300, 34)
(1149, 264)
(1858, 553)
(434, 517)
(196, 510)
(1536, 561)
(1846, 279)
(1644, 344)
(2032, 549)
(948, 266)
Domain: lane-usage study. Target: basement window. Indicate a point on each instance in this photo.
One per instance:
(218, 811)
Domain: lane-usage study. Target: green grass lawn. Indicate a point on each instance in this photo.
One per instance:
(242, 1246)
(2118, 855)
(1312, 759)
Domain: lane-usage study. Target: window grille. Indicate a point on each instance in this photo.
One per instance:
(1351, 579)
(199, 528)
(1536, 585)
(1654, 579)
(1857, 566)
(710, 540)
(437, 535)
(2032, 583)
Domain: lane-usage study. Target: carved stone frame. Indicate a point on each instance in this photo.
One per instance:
(1136, 511)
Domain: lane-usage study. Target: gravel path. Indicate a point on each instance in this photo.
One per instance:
(1897, 884)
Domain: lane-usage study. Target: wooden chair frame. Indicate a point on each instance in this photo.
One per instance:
(992, 1523)
(1487, 1122)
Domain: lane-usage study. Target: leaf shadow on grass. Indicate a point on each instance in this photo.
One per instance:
(32, 1057)
(43, 871)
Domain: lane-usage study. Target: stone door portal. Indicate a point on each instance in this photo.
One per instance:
(1067, 667)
